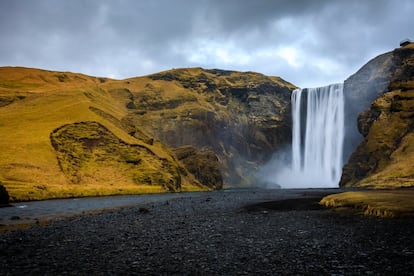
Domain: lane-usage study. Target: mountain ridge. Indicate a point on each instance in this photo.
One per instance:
(383, 158)
(65, 134)
(160, 112)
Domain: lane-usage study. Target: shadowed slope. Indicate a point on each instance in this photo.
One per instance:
(384, 158)
(241, 116)
(46, 101)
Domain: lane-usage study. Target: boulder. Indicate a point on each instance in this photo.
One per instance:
(88, 152)
(204, 165)
(4, 196)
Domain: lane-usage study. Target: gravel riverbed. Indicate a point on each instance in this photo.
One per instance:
(237, 232)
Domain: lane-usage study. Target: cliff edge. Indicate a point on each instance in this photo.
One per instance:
(65, 134)
(385, 156)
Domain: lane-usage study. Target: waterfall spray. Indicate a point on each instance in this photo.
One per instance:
(317, 139)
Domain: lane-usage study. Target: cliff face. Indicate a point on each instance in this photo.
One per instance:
(242, 117)
(64, 134)
(385, 156)
(360, 90)
(4, 196)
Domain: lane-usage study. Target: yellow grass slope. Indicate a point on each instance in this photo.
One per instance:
(385, 157)
(34, 103)
(385, 203)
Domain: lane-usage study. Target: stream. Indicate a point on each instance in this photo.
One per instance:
(32, 212)
(36, 211)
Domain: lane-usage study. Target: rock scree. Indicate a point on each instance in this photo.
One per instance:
(213, 234)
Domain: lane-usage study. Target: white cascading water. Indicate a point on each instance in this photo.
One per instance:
(317, 141)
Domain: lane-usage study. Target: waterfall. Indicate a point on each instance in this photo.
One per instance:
(317, 138)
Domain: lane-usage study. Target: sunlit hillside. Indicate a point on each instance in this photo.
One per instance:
(64, 134)
(33, 104)
(385, 157)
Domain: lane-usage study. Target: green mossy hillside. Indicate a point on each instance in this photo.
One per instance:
(64, 134)
(385, 157)
(35, 103)
(88, 152)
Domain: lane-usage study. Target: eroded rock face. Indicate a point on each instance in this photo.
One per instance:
(242, 117)
(88, 152)
(360, 90)
(385, 156)
(204, 165)
(4, 196)
(95, 136)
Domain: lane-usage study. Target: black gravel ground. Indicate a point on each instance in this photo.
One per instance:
(245, 232)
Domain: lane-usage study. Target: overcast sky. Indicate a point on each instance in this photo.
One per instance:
(307, 42)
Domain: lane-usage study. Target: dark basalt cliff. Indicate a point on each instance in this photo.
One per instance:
(204, 165)
(242, 117)
(360, 90)
(382, 95)
(4, 196)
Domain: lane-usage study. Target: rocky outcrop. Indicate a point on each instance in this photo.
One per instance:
(204, 165)
(360, 90)
(4, 196)
(385, 156)
(178, 130)
(88, 152)
(242, 117)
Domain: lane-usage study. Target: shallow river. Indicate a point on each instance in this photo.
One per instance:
(48, 210)
(35, 211)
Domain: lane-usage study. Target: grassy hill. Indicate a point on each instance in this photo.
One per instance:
(64, 134)
(384, 159)
(34, 104)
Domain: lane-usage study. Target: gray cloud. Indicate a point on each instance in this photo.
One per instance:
(308, 43)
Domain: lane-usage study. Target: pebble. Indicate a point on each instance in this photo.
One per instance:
(212, 235)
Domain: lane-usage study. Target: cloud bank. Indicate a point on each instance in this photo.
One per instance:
(309, 43)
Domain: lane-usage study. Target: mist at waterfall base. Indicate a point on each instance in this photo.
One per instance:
(315, 157)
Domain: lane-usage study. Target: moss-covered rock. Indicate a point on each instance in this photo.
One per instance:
(385, 156)
(204, 165)
(243, 117)
(112, 136)
(360, 90)
(89, 152)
